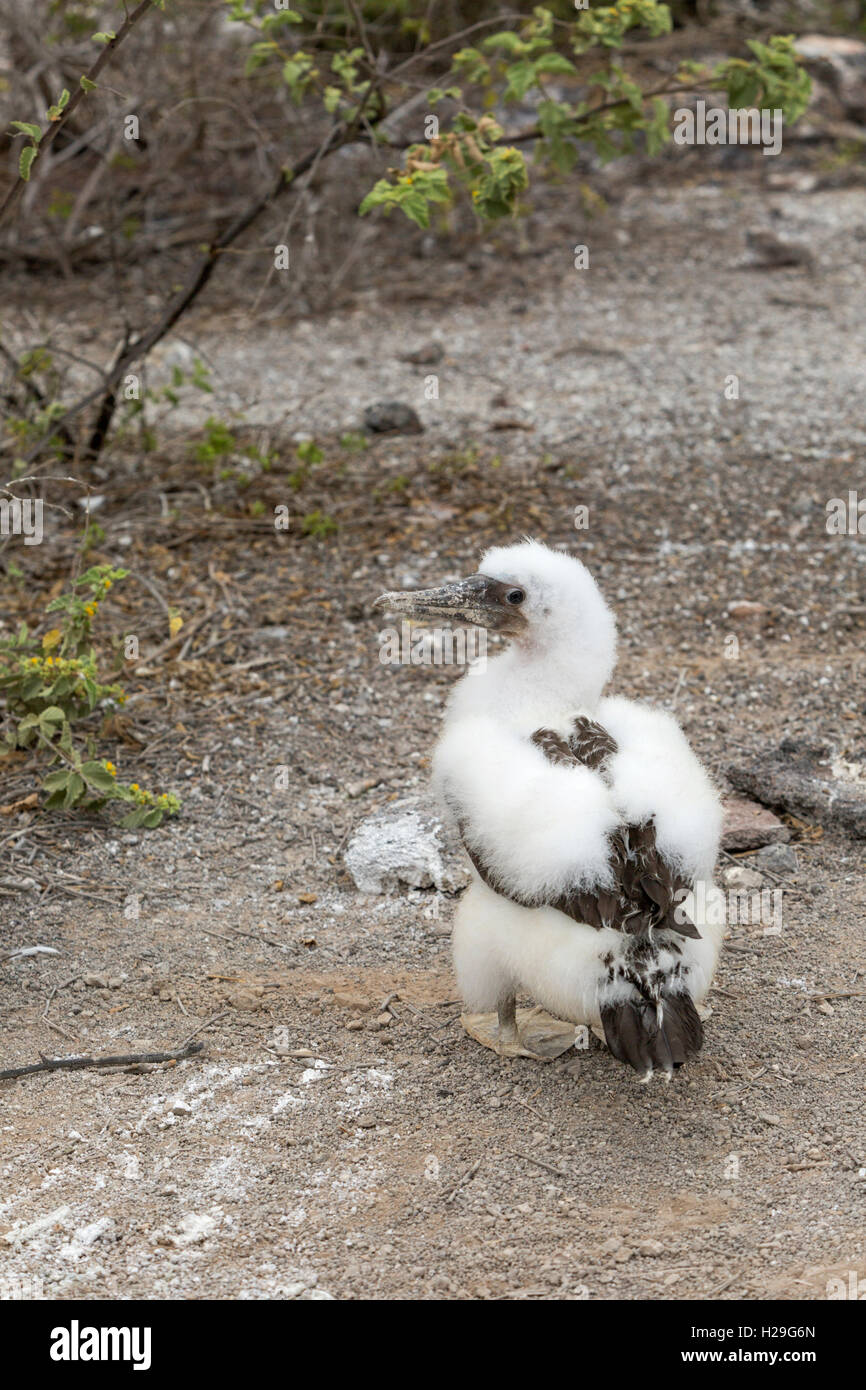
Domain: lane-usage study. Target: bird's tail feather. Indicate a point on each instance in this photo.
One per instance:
(647, 1012)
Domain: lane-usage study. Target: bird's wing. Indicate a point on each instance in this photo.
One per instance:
(654, 774)
(637, 887)
(537, 828)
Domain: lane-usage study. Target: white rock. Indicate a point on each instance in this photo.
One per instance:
(59, 1217)
(741, 877)
(405, 845)
(194, 1228)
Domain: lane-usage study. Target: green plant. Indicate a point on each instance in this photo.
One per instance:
(52, 689)
(318, 525)
(349, 69)
(475, 155)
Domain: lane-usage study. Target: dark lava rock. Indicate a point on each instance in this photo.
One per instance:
(807, 781)
(391, 417)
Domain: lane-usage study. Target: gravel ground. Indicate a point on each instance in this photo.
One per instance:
(328, 1143)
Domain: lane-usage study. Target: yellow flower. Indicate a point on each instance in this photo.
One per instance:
(106, 584)
(109, 767)
(133, 786)
(90, 609)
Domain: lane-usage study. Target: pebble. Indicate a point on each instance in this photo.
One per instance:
(779, 859)
(740, 877)
(392, 417)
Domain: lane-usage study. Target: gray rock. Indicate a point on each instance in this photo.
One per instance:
(779, 859)
(391, 417)
(841, 63)
(405, 845)
(425, 356)
(747, 825)
(771, 251)
(808, 781)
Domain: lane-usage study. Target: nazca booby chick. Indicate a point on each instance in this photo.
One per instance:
(588, 821)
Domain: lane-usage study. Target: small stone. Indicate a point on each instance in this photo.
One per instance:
(344, 999)
(356, 789)
(384, 1020)
(610, 1246)
(248, 998)
(354, 1025)
(392, 417)
(747, 611)
(740, 877)
(651, 1247)
(425, 356)
(771, 251)
(779, 859)
(181, 1107)
(748, 825)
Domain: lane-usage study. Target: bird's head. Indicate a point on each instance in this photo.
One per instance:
(544, 599)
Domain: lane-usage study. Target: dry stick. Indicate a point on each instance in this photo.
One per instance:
(51, 134)
(548, 1167)
(79, 1063)
(215, 1018)
(467, 1177)
(142, 345)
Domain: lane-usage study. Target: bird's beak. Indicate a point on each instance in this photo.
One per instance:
(477, 600)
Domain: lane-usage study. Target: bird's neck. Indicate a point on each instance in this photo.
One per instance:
(530, 688)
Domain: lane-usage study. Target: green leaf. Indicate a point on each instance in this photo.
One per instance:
(56, 781)
(86, 85)
(25, 162)
(34, 131)
(103, 36)
(56, 111)
(75, 789)
(51, 716)
(98, 776)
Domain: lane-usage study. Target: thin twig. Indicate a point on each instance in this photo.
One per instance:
(539, 1163)
(462, 1181)
(50, 135)
(79, 1063)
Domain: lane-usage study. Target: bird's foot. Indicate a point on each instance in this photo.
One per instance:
(531, 1033)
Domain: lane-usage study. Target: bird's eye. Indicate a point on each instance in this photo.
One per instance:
(514, 597)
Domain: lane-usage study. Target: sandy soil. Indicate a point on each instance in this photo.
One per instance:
(340, 1136)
